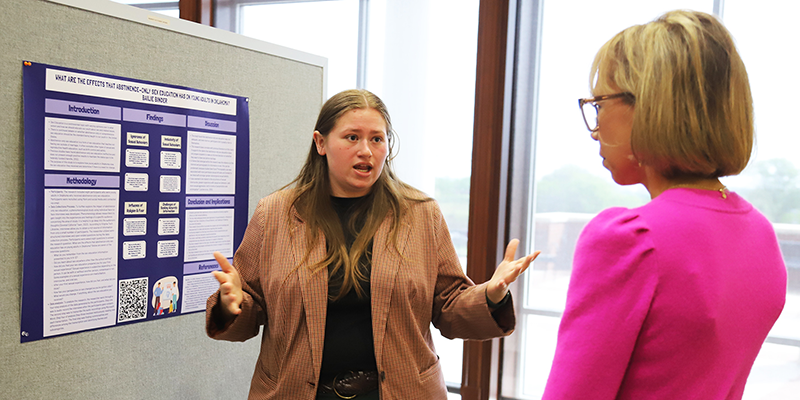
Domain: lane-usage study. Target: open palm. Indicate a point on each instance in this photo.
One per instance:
(507, 272)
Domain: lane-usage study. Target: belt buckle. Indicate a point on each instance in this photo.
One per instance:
(341, 396)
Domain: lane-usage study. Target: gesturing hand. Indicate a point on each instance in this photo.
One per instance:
(507, 272)
(230, 286)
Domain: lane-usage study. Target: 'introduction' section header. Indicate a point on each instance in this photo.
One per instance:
(110, 88)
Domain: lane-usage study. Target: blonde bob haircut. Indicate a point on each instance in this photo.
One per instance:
(693, 109)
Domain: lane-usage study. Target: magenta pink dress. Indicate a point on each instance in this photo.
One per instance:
(671, 300)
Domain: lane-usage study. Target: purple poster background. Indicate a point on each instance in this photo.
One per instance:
(151, 219)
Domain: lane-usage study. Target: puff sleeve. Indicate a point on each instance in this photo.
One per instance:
(613, 283)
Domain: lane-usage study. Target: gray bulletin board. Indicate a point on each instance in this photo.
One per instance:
(170, 358)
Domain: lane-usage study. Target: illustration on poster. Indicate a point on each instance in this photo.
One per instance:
(165, 296)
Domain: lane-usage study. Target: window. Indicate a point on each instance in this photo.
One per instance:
(572, 186)
(421, 61)
(323, 28)
(772, 180)
(571, 183)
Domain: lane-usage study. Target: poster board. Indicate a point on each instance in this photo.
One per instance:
(130, 186)
(169, 358)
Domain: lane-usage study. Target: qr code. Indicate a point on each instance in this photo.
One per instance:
(132, 299)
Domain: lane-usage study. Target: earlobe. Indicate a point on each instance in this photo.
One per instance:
(319, 141)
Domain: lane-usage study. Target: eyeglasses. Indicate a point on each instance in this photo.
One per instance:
(589, 108)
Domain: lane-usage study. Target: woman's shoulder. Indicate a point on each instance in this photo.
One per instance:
(279, 200)
(617, 218)
(412, 198)
(615, 241)
(616, 227)
(420, 203)
(280, 195)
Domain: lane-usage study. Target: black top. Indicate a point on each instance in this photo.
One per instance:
(348, 344)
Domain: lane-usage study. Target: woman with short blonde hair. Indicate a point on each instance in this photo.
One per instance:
(694, 113)
(673, 299)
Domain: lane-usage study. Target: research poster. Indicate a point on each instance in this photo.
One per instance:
(130, 186)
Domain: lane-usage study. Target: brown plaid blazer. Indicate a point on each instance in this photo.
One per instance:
(423, 283)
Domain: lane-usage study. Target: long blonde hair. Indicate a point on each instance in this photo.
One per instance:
(312, 197)
(694, 110)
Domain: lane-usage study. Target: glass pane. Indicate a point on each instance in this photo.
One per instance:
(325, 28)
(170, 12)
(772, 180)
(571, 184)
(540, 334)
(421, 61)
(775, 374)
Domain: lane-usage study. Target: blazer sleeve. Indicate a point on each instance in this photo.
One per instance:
(247, 262)
(613, 282)
(460, 309)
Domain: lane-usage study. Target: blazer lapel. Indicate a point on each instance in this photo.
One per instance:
(314, 290)
(385, 264)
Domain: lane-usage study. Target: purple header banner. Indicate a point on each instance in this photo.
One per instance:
(153, 117)
(202, 266)
(81, 181)
(212, 124)
(208, 202)
(53, 106)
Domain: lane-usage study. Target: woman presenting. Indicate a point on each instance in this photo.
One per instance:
(347, 267)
